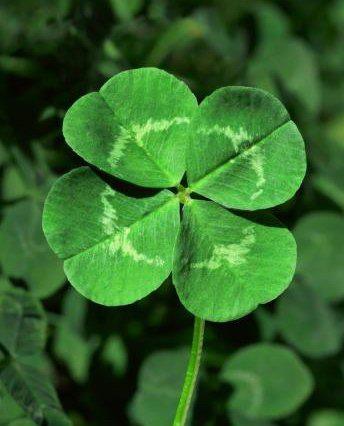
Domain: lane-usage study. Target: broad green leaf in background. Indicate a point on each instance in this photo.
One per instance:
(288, 62)
(125, 10)
(24, 252)
(326, 417)
(22, 370)
(11, 414)
(5, 283)
(245, 152)
(141, 140)
(22, 323)
(182, 34)
(227, 264)
(282, 62)
(320, 241)
(70, 333)
(329, 159)
(35, 25)
(116, 249)
(270, 381)
(3, 154)
(239, 419)
(272, 22)
(307, 322)
(159, 386)
(115, 354)
(267, 324)
(13, 186)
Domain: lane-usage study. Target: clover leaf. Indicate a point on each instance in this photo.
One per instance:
(270, 381)
(239, 148)
(158, 388)
(320, 335)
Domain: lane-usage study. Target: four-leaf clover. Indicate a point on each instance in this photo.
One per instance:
(240, 150)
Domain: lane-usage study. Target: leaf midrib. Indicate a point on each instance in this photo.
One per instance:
(167, 175)
(219, 167)
(108, 237)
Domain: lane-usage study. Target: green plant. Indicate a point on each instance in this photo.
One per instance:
(240, 150)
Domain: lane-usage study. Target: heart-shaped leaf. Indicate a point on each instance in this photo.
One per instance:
(320, 240)
(270, 381)
(70, 333)
(116, 249)
(326, 417)
(159, 387)
(24, 252)
(227, 264)
(135, 127)
(321, 334)
(245, 152)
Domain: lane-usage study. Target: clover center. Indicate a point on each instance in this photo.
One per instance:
(183, 194)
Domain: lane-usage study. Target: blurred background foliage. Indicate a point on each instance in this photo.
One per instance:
(281, 365)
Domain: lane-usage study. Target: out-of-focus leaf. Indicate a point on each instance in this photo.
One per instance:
(115, 354)
(272, 22)
(267, 323)
(70, 333)
(239, 419)
(179, 35)
(307, 322)
(22, 323)
(21, 67)
(24, 252)
(291, 63)
(159, 386)
(270, 381)
(320, 241)
(22, 368)
(326, 417)
(30, 388)
(329, 159)
(3, 154)
(13, 186)
(36, 25)
(10, 411)
(126, 10)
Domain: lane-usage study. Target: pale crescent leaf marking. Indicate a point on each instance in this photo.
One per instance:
(121, 243)
(234, 254)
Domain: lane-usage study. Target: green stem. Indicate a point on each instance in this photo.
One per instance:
(191, 374)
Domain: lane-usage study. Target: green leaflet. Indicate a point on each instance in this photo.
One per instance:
(270, 381)
(115, 354)
(320, 334)
(135, 127)
(245, 152)
(239, 419)
(329, 180)
(70, 333)
(22, 371)
(326, 417)
(159, 387)
(22, 323)
(116, 249)
(226, 264)
(320, 239)
(24, 252)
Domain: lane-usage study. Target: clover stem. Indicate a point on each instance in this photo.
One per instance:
(191, 373)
